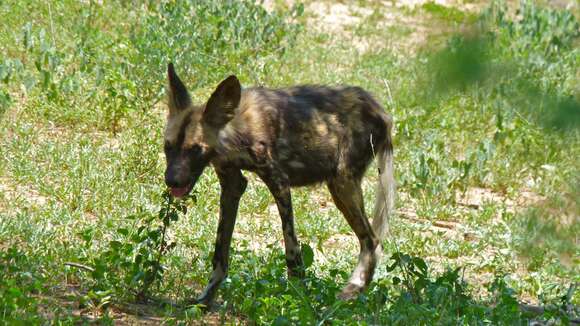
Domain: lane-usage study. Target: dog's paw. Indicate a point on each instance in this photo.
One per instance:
(349, 292)
(203, 302)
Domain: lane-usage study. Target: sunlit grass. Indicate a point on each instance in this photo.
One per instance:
(80, 146)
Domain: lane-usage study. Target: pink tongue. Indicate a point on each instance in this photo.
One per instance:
(178, 192)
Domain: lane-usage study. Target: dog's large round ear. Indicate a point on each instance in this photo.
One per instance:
(178, 96)
(220, 107)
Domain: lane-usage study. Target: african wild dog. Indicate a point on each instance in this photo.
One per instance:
(289, 137)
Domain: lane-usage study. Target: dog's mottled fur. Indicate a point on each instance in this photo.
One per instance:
(289, 137)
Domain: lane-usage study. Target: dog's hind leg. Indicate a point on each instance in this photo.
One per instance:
(348, 197)
(233, 185)
(279, 186)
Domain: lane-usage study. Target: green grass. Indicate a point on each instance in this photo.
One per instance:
(446, 13)
(82, 115)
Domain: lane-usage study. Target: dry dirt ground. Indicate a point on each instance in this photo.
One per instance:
(341, 18)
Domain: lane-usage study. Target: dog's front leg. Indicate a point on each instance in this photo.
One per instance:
(279, 186)
(233, 184)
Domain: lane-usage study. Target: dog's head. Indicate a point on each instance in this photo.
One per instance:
(191, 131)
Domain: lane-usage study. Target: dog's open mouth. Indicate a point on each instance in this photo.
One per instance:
(179, 192)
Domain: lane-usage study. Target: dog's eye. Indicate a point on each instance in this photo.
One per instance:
(193, 150)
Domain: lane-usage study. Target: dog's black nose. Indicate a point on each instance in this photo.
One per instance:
(171, 181)
(176, 176)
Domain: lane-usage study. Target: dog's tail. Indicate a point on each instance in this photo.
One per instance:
(385, 189)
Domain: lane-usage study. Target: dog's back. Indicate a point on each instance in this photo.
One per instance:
(313, 132)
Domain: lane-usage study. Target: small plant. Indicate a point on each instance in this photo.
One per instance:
(18, 284)
(133, 263)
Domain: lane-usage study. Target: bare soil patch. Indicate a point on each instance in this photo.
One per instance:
(406, 28)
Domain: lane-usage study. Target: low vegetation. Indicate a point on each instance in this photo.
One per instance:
(487, 145)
